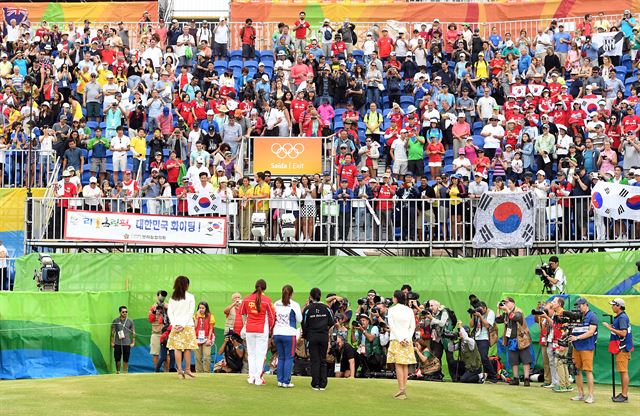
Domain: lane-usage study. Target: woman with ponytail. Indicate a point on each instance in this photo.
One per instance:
(288, 316)
(259, 315)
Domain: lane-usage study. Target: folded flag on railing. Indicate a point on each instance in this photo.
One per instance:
(620, 202)
(203, 204)
(505, 220)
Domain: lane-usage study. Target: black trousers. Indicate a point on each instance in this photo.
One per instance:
(483, 349)
(437, 349)
(318, 344)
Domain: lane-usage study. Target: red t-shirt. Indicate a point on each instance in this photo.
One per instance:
(173, 170)
(297, 108)
(108, 56)
(258, 321)
(630, 123)
(338, 48)
(349, 172)
(482, 161)
(577, 117)
(385, 46)
(496, 62)
(183, 206)
(396, 118)
(70, 190)
(246, 34)
(435, 147)
(301, 32)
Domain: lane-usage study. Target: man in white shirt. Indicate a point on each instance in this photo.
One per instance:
(462, 165)
(92, 194)
(557, 280)
(193, 173)
(204, 33)
(493, 134)
(120, 145)
(154, 53)
(185, 41)
(220, 40)
(399, 155)
(202, 186)
(285, 64)
(485, 105)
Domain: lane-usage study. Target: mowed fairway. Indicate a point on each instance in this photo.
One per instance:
(165, 394)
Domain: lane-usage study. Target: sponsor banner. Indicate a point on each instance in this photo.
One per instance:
(287, 155)
(154, 230)
(505, 220)
(620, 202)
(101, 11)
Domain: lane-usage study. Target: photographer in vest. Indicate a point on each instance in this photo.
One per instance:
(584, 336)
(485, 334)
(620, 345)
(470, 357)
(516, 338)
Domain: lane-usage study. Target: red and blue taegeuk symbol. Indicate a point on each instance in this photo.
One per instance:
(507, 217)
(634, 202)
(591, 107)
(596, 200)
(204, 202)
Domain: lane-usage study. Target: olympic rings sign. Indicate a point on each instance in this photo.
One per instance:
(287, 150)
(287, 155)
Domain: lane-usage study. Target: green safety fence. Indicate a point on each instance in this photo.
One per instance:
(215, 277)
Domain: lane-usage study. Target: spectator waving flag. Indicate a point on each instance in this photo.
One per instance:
(504, 220)
(202, 204)
(608, 44)
(589, 105)
(620, 202)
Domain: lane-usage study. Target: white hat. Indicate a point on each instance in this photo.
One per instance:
(219, 169)
(66, 174)
(364, 169)
(610, 172)
(210, 113)
(200, 160)
(261, 64)
(66, 105)
(265, 77)
(617, 301)
(110, 75)
(326, 20)
(411, 109)
(93, 179)
(403, 131)
(541, 172)
(561, 126)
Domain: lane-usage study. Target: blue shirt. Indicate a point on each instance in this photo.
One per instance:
(590, 157)
(495, 40)
(561, 47)
(588, 344)
(622, 322)
(523, 63)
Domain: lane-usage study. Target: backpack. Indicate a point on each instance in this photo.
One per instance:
(327, 34)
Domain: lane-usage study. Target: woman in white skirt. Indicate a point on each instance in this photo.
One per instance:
(182, 338)
(402, 325)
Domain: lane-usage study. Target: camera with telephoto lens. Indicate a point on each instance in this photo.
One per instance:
(362, 301)
(355, 324)
(540, 272)
(452, 335)
(571, 317)
(539, 310)
(476, 305)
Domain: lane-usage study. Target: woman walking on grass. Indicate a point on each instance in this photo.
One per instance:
(402, 325)
(288, 316)
(259, 317)
(182, 338)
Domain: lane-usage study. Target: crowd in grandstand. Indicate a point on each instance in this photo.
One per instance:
(441, 112)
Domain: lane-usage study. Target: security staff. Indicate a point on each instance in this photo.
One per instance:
(317, 318)
(584, 338)
(621, 345)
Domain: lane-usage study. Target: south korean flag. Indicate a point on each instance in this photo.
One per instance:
(505, 220)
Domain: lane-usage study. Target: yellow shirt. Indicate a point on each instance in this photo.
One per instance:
(263, 190)
(139, 146)
(215, 181)
(83, 79)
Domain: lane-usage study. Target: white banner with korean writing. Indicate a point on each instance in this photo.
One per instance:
(119, 227)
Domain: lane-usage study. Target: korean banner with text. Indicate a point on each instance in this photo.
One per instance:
(620, 202)
(145, 229)
(505, 220)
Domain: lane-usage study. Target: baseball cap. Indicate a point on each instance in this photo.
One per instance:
(200, 160)
(580, 301)
(541, 172)
(461, 115)
(460, 151)
(66, 174)
(618, 302)
(409, 174)
(344, 180)
(359, 177)
(210, 113)
(155, 170)
(93, 179)
(364, 169)
(219, 169)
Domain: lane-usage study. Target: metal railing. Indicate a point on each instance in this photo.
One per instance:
(365, 223)
(7, 273)
(18, 167)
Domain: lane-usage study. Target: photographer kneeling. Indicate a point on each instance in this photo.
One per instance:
(233, 351)
(516, 338)
(345, 354)
(470, 357)
(367, 336)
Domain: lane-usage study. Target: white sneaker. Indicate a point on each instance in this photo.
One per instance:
(280, 384)
(589, 399)
(289, 386)
(322, 389)
(260, 382)
(315, 388)
(250, 380)
(578, 398)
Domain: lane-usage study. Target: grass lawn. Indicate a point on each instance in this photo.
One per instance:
(165, 394)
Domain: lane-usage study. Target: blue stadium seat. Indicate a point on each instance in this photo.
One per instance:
(92, 124)
(234, 63)
(448, 169)
(478, 141)
(477, 127)
(220, 65)
(357, 53)
(407, 99)
(236, 54)
(630, 80)
(385, 112)
(448, 154)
